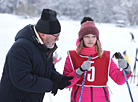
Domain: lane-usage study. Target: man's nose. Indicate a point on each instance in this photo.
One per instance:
(57, 39)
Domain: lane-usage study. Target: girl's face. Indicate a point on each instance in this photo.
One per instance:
(89, 40)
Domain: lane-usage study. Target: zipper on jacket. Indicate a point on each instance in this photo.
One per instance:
(50, 53)
(48, 56)
(91, 94)
(106, 95)
(76, 93)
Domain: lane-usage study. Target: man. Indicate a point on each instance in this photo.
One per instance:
(28, 71)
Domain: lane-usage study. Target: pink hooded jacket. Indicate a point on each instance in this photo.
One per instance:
(92, 94)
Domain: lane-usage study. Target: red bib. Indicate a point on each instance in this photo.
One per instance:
(99, 71)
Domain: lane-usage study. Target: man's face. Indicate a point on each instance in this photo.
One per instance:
(50, 40)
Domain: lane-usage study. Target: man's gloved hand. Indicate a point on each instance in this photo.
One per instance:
(60, 84)
(84, 67)
(122, 63)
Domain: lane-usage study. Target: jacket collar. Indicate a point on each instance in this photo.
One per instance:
(39, 40)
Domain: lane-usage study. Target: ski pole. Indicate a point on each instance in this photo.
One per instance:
(50, 98)
(128, 85)
(84, 80)
(119, 56)
(134, 69)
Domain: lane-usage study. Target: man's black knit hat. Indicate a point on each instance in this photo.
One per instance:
(48, 23)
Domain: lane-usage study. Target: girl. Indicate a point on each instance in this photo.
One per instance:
(98, 68)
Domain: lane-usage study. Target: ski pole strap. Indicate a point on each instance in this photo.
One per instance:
(82, 69)
(126, 66)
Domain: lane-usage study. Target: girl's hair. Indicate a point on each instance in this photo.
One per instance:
(98, 47)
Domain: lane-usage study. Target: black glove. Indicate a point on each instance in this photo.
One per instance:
(61, 84)
(118, 55)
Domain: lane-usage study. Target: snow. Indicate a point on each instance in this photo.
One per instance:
(112, 38)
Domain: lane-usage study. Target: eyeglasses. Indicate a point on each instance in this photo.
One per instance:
(56, 36)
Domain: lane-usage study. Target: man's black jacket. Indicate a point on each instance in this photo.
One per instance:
(28, 71)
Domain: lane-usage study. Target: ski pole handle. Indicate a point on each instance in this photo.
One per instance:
(90, 57)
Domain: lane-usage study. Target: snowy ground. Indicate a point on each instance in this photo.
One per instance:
(112, 39)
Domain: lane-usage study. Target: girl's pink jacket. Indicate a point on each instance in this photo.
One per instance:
(92, 94)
